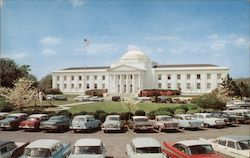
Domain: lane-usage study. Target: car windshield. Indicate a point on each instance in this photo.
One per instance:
(165, 119)
(113, 118)
(55, 118)
(244, 145)
(12, 117)
(209, 116)
(78, 119)
(189, 118)
(141, 120)
(217, 115)
(148, 150)
(87, 150)
(33, 119)
(201, 149)
(37, 152)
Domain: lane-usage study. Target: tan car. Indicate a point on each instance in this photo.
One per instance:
(165, 122)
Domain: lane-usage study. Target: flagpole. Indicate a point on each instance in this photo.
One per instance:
(86, 43)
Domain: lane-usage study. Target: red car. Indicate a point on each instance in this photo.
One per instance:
(33, 122)
(190, 149)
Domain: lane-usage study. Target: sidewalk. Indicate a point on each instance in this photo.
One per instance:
(65, 106)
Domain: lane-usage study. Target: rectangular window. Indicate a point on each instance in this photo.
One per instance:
(87, 78)
(57, 78)
(103, 86)
(188, 86)
(64, 78)
(72, 86)
(80, 78)
(125, 76)
(222, 142)
(103, 78)
(178, 85)
(188, 76)
(208, 76)
(159, 85)
(65, 86)
(87, 86)
(119, 77)
(58, 86)
(72, 78)
(198, 86)
(95, 77)
(208, 85)
(218, 76)
(231, 144)
(169, 85)
(95, 85)
(159, 77)
(198, 76)
(131, 77)
(178, 77)
(80, 86)
(169, 77)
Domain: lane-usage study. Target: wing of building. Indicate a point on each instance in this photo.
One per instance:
(135, 71)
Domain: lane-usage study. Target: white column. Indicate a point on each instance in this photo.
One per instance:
(139, 81)
(133, 84)
(127, 85)
(120, 82)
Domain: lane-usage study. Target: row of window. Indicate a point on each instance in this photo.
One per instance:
(80, 78)
(188, 76)
(79, 86)
(188, 86)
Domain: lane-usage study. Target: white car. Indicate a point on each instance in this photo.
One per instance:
(10, 149)
(112, 123)
(81, 98)
(165, 122)
(3, 115)
(88, 148)
(144, 148)
(84, 122)
(188, 121)
(232, 145)
(209, 120)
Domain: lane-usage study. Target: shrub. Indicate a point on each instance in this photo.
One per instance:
(192, 106)
(98, 112)
(80, 113)
(65, 112)
(126, 115)
(102, 116)
(180, 111)
(54, 91)
(191, 112)
(140, 113)
(209, 101)
(5, 106)
(200, 110)
(96, 92)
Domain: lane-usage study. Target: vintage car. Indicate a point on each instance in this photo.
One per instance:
(165, 122)
(189, 149)
(60, 97)
(84, 122)
(209, 120)
(188, 121)
(113, 123)
(3, 115)
(10, 149)
(96, 99)
(241, 115)
(229, 121)
(231, 145)
(12, 121)
(56, 123)
(89, 148)
(47, 148)
(82, 98)
(140, 123)
(144, 148)
(33, 122)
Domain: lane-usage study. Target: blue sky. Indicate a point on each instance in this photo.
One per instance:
(49, 34)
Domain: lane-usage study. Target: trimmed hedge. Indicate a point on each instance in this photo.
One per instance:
(96, 92)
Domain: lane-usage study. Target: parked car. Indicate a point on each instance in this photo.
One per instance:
(165, 122)
(113, 123)
(89, 148)
(56, 123)
(144, 99)
(3, 115)
(188, 121)
(140, 123)
(116, 98)
(96, 99)
(33, 122)
(241, 115)
(60, 97)
(144, 148)
(231, 145)
(12, 121)
(82, 98)
(47, 148)
(84, 122)
(229, 121)
(209, 120)
(49, 97)
(10, 149)
(189, 149)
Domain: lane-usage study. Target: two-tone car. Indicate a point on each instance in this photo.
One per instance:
(241, 115)
(165, 122)
(140, 123)
(188, 121)
(112, 123)
(84, 123)
(10, 149)
(47, 148)
(144, 148)
(229, 121)
(232, 145)
(189, 149)
(209, 120)
(89, 148)
(33, 122)
(56, 123)
(12, 121)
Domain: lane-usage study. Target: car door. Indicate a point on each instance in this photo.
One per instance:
(4, 152)
(220, 145)
(232, 149)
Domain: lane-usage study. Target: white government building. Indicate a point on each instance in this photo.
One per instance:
(135, 72)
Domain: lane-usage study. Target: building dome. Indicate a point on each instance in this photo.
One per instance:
(134, 54)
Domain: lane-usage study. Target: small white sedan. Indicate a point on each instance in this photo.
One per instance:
(88, 148)
(144, 148)
(232, 145)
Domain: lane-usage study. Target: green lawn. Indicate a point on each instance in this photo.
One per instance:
(110, 106)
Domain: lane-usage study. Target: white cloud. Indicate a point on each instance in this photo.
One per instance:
(50, 40)
(77, 3)
(132, 47)
(48, 52)
(17, 56)
(218, 45)
(240, 42)
(213, 36)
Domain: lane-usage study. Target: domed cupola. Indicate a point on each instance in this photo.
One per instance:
(134, 55)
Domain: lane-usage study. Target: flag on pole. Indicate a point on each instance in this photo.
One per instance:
(86, 42)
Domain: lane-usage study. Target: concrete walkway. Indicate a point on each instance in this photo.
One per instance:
(66, 106)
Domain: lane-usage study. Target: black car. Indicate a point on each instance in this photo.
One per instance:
(229, 121)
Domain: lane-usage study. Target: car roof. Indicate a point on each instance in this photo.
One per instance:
(236, 137)
(43, 143)
(113, 116)
(192, 142)
(17, 114)
(135, 117)
(38, 115)
(183, 115)
(3, 142)
(162, 116)
(88, 142)
(145, 142)
(83, 116)
(205, 113)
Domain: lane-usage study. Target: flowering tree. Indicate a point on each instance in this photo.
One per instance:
(21, 94)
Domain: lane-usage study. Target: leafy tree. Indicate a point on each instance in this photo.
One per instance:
(45, 84)
(140, 113)
(209, 101)
(243, 90)
(230, 86)
(179, 111)
(21, 94)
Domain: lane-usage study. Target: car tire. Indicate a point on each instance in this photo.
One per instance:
(206, 125)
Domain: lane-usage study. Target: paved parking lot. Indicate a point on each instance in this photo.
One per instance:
(116, 142)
